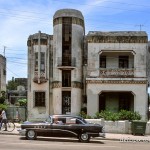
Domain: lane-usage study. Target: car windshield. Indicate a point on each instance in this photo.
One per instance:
(84, 121)
(49, 119)
(52, 119)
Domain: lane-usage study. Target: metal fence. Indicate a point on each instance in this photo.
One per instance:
(16, 113)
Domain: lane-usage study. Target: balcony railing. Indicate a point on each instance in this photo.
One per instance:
(118, 72)
(66, 61)
(40, 79)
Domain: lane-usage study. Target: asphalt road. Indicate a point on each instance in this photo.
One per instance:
(15, 142)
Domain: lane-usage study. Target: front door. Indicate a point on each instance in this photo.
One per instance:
(66, 102)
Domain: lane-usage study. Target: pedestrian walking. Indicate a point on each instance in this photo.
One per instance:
(4, 119)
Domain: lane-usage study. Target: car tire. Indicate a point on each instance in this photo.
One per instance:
(84, 137)
(31, 135)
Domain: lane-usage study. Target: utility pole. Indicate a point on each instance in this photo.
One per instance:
(140, 25)
(4, 50)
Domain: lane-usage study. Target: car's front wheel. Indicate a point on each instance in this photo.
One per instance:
(31, 135)
(84, 137)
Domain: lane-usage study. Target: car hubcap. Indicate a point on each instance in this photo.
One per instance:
(84, 136)
(31, 134)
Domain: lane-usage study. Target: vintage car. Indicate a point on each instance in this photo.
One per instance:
(62, 126)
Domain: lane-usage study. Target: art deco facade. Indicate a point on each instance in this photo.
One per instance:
(70, 70)
(116, 71)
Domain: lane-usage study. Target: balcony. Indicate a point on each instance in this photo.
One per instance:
(66, 62)
(117, 72)
(40, 79)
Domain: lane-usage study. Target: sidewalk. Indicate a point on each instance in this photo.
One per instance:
(109, 136)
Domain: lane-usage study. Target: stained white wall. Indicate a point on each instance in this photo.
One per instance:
(139, 91)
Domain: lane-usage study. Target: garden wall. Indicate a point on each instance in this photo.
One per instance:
(122, 127)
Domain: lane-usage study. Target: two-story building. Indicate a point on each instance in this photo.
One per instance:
(101, 70)
(116, 71)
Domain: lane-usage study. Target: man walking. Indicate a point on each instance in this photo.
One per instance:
(4, 119)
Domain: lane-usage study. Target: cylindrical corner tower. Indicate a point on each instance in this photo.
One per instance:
(68, 25)
(38, 75)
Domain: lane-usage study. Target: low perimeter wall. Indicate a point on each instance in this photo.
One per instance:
(123, 127)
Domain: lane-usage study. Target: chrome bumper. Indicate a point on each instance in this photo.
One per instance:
(22, 132)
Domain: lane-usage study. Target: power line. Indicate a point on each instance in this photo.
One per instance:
(12, 72)
(104, 6)
(140, 25)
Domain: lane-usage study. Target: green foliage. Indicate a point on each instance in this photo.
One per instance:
(22, 102)
(2, 97)
(3, 106)
(12, 85)
(121, 115)
(84, 115)
(129, 115)
(108, 115)
(2, 100)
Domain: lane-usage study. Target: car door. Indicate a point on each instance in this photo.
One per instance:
(72, 127)
(47, 128)
(58, 129)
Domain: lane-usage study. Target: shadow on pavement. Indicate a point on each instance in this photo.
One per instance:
(63, 140)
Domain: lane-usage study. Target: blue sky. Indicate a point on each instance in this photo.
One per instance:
(21, 18)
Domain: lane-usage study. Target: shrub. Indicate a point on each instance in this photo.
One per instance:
(3, 106)
(129, 115)
(108, 115)
(84, 115)
(2, 100)
(121, 115)
(22, 102)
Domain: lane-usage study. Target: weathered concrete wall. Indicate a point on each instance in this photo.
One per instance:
(2, 73)
(35, 112)
(57, 101)
(93, 91)
(139, 49)
(77, 34)
(122, 127)
(76, 100)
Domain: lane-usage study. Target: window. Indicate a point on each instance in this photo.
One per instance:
(43, 61)
(66, 102)
(102, 61)
(123, 61)
(35, 42)
(36, 61)
(43, 41)
(39, 99)
(4, 72)
(66, 41)
(67, 33)
(66, 78)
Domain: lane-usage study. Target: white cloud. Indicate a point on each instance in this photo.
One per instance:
(19, 19)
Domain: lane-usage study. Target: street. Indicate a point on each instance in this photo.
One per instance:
(15, 142)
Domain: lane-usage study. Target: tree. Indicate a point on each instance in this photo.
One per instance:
(2, 97)
(12, 85)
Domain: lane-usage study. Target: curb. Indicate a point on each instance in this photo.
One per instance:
(8, 133)
(97, 138)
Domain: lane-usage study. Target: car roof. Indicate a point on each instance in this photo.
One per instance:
(64, 116)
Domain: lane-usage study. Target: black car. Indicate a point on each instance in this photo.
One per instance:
(62, 126)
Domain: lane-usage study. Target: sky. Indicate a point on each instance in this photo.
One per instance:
(21, 18)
